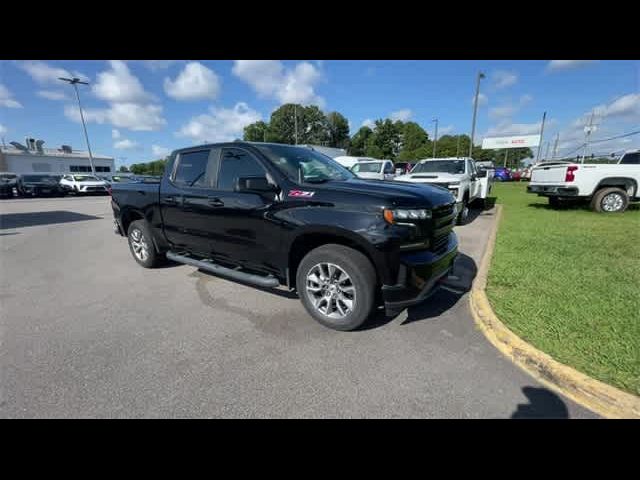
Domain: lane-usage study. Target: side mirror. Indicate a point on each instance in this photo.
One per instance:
(254, 184)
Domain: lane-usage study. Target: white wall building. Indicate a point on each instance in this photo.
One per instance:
(32, 157)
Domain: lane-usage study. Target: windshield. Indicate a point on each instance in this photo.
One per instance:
(7, 177)
(373, 167)
(85, 178)
(300, 163)
(440, 166)
(39, 178)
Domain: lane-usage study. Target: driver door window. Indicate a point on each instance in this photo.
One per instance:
(237, 163)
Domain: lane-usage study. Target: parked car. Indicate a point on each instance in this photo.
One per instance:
(39, 184)
(608, 187)
(458, 175)
(83, 184)
(403, 167)
(272, 214)
(348, 161)
(502, 174)
(8, 184)
(375, 170)
(516, 176)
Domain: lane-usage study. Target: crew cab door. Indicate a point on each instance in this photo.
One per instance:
(184, 199)
(239, 226)
(474, 180)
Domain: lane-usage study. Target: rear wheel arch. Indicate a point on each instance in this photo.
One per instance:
(625, 183)
(129, 216)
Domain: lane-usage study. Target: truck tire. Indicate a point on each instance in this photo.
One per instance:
(610, 200)
(555, 202)
(141, 245)
(336, 286)
(463, 214)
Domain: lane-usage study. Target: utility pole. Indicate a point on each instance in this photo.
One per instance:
(555, 146)
(475, 111)
(587, 131)
(544, 116)
(295, 120)
(74, 81)
(506, 155)
(435, 138)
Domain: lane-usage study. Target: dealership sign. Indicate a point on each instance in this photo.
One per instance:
(511, 142)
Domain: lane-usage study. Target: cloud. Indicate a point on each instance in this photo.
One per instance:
(159, 151)
(442, 130)
(403, 115)
(526, 99)
(123, 115)
(126, 144)
(559, 65)
(194, 82)
(502, 112)
(368, 123)
(52, 95)
(627, 105)
(507, 128)
(271, 79)
(3, 129)
(503, 78)
(156, 65)
(115, 134)
(119, 85)
(482, 100)
(221, 124)
(6, 98)
(43, 73)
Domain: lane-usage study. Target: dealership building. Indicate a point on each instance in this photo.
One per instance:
(32, 157)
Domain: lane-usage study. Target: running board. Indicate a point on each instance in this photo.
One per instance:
(266, 281)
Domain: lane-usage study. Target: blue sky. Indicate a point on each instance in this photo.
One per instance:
(139, 110)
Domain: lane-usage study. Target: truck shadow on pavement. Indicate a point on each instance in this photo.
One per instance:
(543, 403)
(32, 219)
(440, 302)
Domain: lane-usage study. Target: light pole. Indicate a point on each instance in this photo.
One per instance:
(544, 117)
(74, 81)
(435, 137)
(475, 111)
(295, 120)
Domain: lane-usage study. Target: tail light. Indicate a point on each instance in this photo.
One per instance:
(570, 176)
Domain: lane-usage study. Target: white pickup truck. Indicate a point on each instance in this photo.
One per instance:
(609, 187)
(460, 176)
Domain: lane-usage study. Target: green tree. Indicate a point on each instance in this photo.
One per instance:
(386, 138)
(358, 142)
(155, 167)
(123, 169)
(338, 127)
(256, 132)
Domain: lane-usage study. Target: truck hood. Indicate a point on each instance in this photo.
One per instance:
(92, 183)
(385, 192)
(430, 177)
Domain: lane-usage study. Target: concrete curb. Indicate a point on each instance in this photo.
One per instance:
(597, 396)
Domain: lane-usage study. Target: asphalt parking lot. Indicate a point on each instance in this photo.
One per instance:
(86, 332)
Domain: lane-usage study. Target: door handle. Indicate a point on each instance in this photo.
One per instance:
(215, 202)
(170, 200)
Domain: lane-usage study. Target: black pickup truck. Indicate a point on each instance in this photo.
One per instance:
(271, 214)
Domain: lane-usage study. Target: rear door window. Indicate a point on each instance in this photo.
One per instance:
(195, 169)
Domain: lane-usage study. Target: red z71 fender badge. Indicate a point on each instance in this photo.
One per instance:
(301, 193)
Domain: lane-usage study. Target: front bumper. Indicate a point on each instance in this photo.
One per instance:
(553, 190)
(419, 276)
(93, 189)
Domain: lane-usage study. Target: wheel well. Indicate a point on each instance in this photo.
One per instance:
(128, 217)
(627, 184)
(305, 243)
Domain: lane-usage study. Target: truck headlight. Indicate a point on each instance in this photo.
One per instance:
(398, 215)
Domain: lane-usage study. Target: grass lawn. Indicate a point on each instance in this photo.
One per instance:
(568, 282)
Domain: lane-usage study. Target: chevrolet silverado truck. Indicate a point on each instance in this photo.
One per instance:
(460, 176)
(608, 187)
(272, 215)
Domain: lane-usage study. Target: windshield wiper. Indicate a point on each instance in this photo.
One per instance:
(316, 180)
